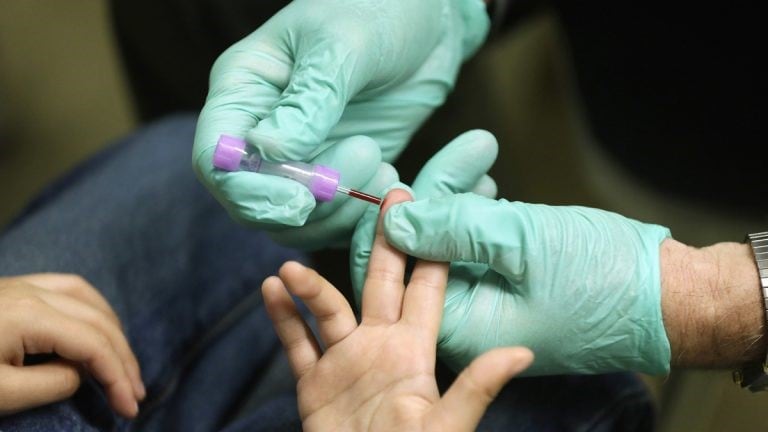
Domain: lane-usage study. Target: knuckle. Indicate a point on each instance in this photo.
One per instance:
(385, 274)
(99, 322)
(103, 344)
(102, 349)
(75, 283)
(430, 283)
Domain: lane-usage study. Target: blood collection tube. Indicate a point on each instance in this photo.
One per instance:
(322, 181)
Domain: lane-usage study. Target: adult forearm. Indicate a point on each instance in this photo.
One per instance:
(712, 305)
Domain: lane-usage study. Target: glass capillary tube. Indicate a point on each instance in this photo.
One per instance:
(359, 195)
(322, 181)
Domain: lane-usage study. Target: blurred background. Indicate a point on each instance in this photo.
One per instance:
(66, 92)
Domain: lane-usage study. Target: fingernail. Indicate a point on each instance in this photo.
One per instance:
(142, 391)
(388, 197)
(522, 360)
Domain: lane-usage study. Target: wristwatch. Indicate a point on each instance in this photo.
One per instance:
(755, 376)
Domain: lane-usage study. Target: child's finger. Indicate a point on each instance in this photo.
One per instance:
(100, 320)
(25, 387)
(335, 318)
(297, 338)
(425, 296)
(465, 402)
(81, 342)
(76, 289)
(384, 287)
(74, 286)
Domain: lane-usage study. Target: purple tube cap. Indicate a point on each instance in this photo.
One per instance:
(229, 152)
(324, 183)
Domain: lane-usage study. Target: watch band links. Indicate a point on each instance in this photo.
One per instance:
(755, 376)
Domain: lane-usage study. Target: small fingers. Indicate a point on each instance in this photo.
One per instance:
(74, 286)
(297, 338)
(383, 291)
(25, 387)
(78, 341)
(107, 326)
(360, 251)
(425, 296)
(79, 299)
(334, 316)
(466, 400)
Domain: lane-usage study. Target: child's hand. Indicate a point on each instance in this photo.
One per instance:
(379, 375)
(63, 315)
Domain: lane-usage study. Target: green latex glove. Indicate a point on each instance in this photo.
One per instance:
(320, 72)
(579, 286)
(460, 166)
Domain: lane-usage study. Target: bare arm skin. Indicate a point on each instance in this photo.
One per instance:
(712, 305)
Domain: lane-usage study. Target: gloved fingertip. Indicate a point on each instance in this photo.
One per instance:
(365, 145)
(282, 209)
(398, 228)
(481, 136)
(288, 134)
(479, 142)
(388, 175)
(284, 216)
(268, 142)
(486, 187)
(478, 21)
(202, 164)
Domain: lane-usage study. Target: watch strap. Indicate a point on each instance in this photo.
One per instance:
(755, 376)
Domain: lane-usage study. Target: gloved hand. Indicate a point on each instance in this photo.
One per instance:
(579, 286)
(319, 72)
(460, 166)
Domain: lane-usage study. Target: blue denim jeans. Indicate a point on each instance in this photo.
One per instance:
(185, 280)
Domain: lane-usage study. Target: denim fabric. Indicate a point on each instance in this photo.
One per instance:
(596, 403)
(182, 276)
(185, 279)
